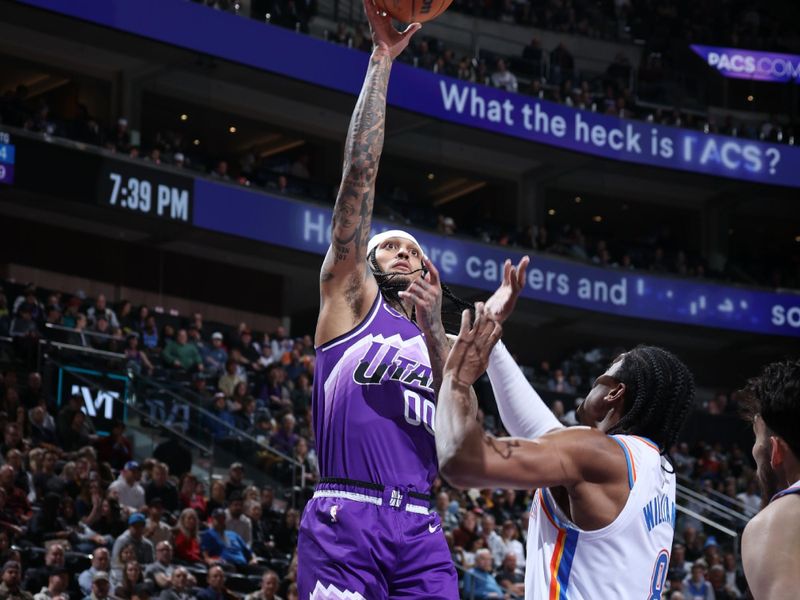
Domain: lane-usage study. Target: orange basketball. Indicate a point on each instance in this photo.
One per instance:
(413, 11)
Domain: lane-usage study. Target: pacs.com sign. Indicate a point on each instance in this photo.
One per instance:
(278, 50)
(751, 64)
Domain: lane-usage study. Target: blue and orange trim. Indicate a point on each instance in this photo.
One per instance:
(563, 553)
(628, 459)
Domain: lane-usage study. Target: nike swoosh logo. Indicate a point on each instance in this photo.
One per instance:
(433, 528)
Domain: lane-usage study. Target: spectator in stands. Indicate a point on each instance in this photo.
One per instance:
(750, 498)
(235, 482)
(42, 427)
(127, 487)
(180, 586)
(115, 448)
(479, 583)
(695, 585)
(503, 78)
(101, 563)
(120, 137)
(260, 534)
(285, 438)
(466, 532)
(187, 537)
(101, 308)
(161, 487)
(559, 383)
(269, 588)
(10, 587)
(287, 531)
(446, 516)
(25, 334)
(215, 356)
(103, 336)
(275, 393)
(143, 548)
(101, 586)
(510, 543)
(155, 529)
(220, 170)
(236, 520)
(136, 360)
(722, 591)
(56, 588)
(228, 382)
(16, 500)
(180, 354)
(269, 513)
(677, 559)
(510, 577)
(221, 545)
(150, 335)
(36, 579)
(562, 64)
(216, 589)
(131, 578)
(159, 574)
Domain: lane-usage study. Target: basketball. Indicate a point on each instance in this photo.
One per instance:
(413, 11)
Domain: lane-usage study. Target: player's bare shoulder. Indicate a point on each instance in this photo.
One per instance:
(771, 549)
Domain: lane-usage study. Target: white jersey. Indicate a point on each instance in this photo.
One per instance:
(627, 559)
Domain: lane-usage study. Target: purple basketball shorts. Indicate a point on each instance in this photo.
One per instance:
(361, 544)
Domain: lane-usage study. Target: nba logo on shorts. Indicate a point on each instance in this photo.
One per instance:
(396, 499)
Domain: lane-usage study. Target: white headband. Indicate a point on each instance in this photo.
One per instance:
(379, 238)
(615, 367)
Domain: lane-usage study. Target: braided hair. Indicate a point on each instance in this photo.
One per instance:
(659, 392)
(390, 285)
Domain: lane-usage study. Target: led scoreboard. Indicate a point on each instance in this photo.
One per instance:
(6, 159)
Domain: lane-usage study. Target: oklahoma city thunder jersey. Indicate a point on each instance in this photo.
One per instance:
(373, 403)
(627, 559)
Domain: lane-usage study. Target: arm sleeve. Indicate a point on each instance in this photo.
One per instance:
(523, 412)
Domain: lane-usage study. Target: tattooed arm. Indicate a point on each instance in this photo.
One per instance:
(426, 293)
(469, 457)
(346, 285)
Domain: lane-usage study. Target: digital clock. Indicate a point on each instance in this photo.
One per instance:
(146, 190)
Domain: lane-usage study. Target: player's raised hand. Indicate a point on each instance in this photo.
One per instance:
(469, 356)
(384, 36)
(501, 304)
(426, 293)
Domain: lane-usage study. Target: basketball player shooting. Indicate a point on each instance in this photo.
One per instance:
(771, 540)
(368, 531)
(603, 516)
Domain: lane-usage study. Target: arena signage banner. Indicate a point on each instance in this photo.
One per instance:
(306, 227)
(750, 64)
(298, 56)
(103, 394)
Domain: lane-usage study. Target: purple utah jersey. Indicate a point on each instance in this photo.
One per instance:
(374, 405)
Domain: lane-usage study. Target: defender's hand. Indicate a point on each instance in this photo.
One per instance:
(385, 38)
(426, 293)
(469, 357)
(500, 306)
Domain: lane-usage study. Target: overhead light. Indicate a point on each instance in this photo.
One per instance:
(196, 142)
(184, 117)
(232, 129)
(551, 212)
(578, 199)
(431, 176)
(597, 219)
(750, 98)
